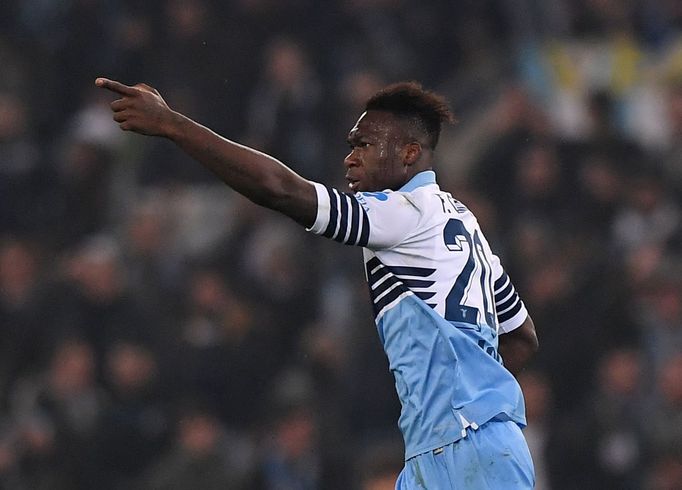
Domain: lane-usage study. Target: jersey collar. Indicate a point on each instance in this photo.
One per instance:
(421, 179)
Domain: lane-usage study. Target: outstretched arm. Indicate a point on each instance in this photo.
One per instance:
(518, 346)
(260, 177)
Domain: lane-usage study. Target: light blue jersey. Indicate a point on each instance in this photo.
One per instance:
(441, 298)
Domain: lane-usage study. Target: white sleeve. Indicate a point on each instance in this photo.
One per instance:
(511, 312)
(376, 220)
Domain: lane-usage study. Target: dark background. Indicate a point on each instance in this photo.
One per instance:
(158, 331)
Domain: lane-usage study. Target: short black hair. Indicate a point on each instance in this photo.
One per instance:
(425, 110)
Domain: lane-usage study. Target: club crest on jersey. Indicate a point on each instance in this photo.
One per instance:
(456, 245)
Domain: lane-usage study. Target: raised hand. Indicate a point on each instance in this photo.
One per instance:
(140, 109)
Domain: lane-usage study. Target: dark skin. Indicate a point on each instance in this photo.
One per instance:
(385, 154)
(518, 346)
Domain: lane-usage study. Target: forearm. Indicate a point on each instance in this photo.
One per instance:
(515, 353)
(260, 177)
(519, 346)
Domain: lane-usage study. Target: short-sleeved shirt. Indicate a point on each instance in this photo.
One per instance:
(440, 299)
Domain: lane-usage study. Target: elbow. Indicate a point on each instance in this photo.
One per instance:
(529, 337)
(519, 346)
(534, 343)
(270, 193)
(292, 196)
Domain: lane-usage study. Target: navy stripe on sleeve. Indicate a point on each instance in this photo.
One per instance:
(505, 292)
(505, 305)
(504, 316)
(501, 281)
(333, 214)
(343, 218)
(364, 234)
(507, 301)
(355, 222)
(348, 221)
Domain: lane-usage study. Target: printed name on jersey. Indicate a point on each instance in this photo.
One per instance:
(449, 203)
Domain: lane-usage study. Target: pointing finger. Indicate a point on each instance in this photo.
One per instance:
(115, 86)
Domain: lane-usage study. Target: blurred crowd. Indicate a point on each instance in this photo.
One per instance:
(158, 331)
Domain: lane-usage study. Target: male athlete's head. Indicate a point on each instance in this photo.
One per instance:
(395, 137)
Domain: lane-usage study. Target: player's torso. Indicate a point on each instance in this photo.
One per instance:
(446, 262)
(433, 300)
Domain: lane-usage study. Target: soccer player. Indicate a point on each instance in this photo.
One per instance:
(452, 325)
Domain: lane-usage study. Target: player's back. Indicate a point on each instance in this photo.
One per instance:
(434, 301)
(436, 288)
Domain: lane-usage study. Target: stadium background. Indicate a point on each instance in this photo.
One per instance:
(158, 331)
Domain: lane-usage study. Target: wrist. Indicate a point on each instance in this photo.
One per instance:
(174, 127)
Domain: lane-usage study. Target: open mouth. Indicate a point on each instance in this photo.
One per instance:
(353, 184)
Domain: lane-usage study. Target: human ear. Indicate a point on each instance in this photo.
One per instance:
(411, 153)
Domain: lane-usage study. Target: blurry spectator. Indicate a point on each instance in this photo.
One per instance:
(532, 240)
(276, 260)
(666, 472)
(616, 424)
(652, 216)
(372, 403)
(194, 56)
(538, 179)
(516, 121)
(204, 456)
(378, 33)
(664, 427)
(554, 292)
(273, 262)
(95, 301)
(135, 32)
(22, 180)
(81, 193)
(606, 134)
(671, 161)
(290, 91)
(134, 428)
(62, 36)
(641, 267)
(20, 320)
(220, 346)
(58, 413)
(599, 197)
(660, 314)
(151, 256)
(292, 459)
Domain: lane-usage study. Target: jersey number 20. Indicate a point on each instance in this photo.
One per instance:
(455, 235)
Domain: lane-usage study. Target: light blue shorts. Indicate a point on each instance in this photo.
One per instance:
(493, 457)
